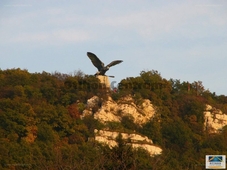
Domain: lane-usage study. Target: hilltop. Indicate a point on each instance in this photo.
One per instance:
(70, 121)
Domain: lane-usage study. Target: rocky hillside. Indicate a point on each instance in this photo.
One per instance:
(112, 111)
(60, 121)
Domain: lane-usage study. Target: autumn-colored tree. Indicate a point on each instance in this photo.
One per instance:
(40, 125)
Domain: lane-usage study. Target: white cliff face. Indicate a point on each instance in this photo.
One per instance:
(112, 111)
(153, 150)
(136, 141)
(141, 114)
(92, 102)
(215, 120)
(108, 112)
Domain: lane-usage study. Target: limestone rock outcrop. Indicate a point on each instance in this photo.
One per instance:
(215, 119)
(112, 111)
(136, 141)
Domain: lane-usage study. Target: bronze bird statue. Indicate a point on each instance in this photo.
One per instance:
(102, 69)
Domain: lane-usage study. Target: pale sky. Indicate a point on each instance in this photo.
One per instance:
(181, 39)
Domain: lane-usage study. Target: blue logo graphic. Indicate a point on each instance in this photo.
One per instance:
(215, 158)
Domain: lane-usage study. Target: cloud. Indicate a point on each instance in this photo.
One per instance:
(28, 38)
(71, 35)
(170, 21)
(58, 25)
(57, 37)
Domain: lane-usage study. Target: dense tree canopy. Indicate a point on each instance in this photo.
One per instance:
(40, 125)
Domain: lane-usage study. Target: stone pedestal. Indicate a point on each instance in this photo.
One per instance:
(104, 80)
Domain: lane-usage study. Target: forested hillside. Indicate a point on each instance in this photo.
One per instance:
(40, 125)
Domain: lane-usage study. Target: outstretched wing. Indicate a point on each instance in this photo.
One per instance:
(95, 60)
(114, 63)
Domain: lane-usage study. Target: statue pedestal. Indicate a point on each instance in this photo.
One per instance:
(104, 80)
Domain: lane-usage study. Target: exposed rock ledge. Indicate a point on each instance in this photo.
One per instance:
(136, 141)
(215, 119)
(112, 111)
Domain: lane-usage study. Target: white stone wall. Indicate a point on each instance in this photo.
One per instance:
(104, 80)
